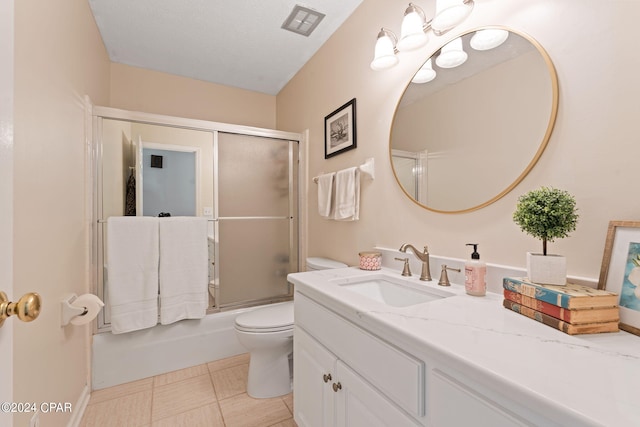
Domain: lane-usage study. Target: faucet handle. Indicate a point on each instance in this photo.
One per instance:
(444, 277)
(405, 271)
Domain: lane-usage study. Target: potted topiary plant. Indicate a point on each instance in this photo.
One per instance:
(546, 214)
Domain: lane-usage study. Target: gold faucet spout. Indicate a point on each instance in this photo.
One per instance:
(422, 256)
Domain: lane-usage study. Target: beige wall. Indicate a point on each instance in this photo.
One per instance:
(149, 91)
(59, 57)
(592, 153)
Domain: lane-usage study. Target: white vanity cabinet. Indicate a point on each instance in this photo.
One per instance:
(449, 362)
(332, 394)
(344, 376)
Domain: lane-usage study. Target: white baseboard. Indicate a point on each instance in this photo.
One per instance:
(79, 407)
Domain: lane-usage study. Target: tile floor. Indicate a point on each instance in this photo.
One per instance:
(209, 395)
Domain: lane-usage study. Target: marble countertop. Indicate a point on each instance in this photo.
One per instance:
(573, 380)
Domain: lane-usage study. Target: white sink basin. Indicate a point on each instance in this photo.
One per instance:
(392, 291)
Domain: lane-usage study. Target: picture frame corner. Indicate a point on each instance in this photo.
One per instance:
(615, 261)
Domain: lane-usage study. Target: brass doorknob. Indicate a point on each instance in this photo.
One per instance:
(337, 386)
(27, 308)
(326, 378)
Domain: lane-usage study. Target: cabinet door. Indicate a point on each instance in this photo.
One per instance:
(358, 404)
(313, 375)
(453, 404)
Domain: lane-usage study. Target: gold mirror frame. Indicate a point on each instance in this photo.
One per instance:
(545, 140)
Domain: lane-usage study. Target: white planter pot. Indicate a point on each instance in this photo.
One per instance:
(547, 269)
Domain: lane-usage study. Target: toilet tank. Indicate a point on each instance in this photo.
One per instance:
(318, 263)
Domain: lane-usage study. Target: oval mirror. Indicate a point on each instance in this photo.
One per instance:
(467, 137)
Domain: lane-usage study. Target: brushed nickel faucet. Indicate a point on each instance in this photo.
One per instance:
(406, 271)
(422, 256)
(444, 277)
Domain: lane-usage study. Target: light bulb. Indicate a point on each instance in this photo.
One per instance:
(452, 55)
(488, 39)
(412, 35)
(450, 13)
(384, 56)
(425, 74)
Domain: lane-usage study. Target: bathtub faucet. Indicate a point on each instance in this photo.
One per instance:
(422, 256)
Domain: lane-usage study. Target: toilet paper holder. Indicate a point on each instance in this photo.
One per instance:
(69, 311)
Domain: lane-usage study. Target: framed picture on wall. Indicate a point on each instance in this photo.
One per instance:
(340, 130)
(620, 271)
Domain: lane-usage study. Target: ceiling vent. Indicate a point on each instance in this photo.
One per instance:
(302, 20)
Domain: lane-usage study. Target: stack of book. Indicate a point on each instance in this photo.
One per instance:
(573, 309)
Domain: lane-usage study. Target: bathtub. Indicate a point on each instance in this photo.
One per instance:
(118, 359)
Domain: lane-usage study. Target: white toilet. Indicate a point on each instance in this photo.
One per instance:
(267, 333)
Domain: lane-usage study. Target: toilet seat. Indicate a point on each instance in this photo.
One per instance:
(275, 318)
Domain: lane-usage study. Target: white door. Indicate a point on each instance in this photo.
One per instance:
(6, 200)
(358, 404)
(313, 377)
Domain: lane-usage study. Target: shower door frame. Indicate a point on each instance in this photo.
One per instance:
(94, 156)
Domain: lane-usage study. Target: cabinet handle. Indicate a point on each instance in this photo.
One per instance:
(326, 378)
(337, 386)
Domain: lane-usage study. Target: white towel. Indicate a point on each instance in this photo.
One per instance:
(132, 254)
(325, 194)
(347, 195)
(184, 275)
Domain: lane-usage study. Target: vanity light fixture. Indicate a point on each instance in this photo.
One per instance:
(425, 74)
(385, 51)
(450, 13)
(488, 39)
(452, 54)
(414, 29)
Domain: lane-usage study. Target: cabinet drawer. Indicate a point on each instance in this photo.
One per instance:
(397, 374)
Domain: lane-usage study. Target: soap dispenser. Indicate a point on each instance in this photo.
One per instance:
(474, 274)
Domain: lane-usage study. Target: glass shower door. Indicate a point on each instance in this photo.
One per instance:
(256, 218)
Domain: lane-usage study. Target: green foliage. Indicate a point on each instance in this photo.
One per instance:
(546, 214)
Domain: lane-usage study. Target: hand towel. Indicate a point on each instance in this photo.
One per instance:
(184, 275)
(132, 256)
(347, 195)
(325, 194)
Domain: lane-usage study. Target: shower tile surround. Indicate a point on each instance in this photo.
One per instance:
(207, 395)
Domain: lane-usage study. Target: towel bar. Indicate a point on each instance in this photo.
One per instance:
(366, 168)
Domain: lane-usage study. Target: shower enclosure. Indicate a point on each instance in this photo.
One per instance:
(244, 180)
(256, 218)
